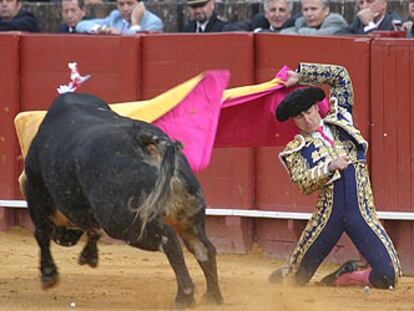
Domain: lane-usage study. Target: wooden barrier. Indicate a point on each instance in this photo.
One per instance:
(129, 68)
(228, 182)
(9, 100)
(168, 59)
(112, 61)
(392, 115)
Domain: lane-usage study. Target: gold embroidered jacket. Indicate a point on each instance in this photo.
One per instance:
(307, 158)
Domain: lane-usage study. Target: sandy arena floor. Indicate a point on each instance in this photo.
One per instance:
(131, 279)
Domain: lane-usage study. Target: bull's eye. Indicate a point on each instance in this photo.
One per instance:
(151, 149)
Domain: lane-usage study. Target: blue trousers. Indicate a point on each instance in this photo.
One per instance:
(346, 217)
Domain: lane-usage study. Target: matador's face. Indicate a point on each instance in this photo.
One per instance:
(309, 120)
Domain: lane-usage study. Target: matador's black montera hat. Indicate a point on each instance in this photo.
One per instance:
(297, 101)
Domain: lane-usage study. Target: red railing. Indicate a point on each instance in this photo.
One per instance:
(131, 68)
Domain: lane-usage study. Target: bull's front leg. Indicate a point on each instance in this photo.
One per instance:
(89, 254)
(49, 273)
(197, 243)
(172, 248)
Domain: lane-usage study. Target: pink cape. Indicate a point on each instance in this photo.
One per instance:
(202, 121)
(194, 120)
(250, 121)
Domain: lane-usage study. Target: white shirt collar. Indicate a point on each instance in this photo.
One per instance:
(327, 131)
(373, 25)
(203, 25)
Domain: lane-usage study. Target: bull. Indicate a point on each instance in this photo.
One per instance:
(90, 170)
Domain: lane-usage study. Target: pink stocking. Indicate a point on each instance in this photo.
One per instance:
(354, 278)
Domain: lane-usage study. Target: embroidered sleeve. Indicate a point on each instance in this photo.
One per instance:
(336, 77)
(307, 179)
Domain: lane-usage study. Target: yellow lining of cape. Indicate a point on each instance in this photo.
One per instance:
(250, 89)
(27, 123)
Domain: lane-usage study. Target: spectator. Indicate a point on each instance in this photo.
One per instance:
(372, 16)
(277, 14)
(130, 18)
(408, 25)
(317, 20)
(73, 11)
(14, 17)
(204, 18)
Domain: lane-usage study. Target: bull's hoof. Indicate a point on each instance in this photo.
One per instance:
(91, 261)
(184, 302)
(212, 298)
(49, 281)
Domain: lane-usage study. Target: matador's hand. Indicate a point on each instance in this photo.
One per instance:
(292, 78)
(340, 163)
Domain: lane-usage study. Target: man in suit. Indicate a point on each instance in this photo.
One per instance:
(205, 19)
(278, 15)
(372, 16)
(130, 18)
(317, 20)
(73, 11)
(14, 17)
(329, 156)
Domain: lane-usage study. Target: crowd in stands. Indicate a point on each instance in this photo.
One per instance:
(132, 16)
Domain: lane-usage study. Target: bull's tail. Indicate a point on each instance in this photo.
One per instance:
(156, 203)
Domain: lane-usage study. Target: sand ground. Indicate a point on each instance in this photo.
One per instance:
(131, 279)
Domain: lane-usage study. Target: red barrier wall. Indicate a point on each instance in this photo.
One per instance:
(9, 98)
(112, 61)
(129, 68)
(392, 115)
(274, 189)
(168, 60)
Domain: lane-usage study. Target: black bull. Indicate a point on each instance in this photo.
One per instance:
(91, 170)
